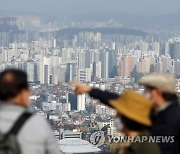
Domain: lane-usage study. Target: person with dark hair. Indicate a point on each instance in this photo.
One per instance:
(133, 117)
(21, 132)
(12, 83)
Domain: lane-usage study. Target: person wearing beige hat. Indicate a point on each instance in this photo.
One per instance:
(133, 110)
(133, 113)
(161, 91)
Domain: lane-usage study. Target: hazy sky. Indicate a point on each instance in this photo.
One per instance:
(147, 7)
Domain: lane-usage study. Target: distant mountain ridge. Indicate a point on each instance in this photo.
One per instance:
(70, 32)
(170, 20)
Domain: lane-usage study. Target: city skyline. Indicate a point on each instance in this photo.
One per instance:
(105, 51)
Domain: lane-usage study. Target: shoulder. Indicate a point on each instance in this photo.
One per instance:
(37, 120)
(173, 110)
(36, 124)
(172, 114)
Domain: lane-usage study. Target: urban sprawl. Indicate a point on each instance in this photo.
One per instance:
(106, 55)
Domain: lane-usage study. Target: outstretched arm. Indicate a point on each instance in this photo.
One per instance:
(103, 96)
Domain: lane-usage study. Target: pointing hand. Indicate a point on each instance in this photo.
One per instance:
(80, 88)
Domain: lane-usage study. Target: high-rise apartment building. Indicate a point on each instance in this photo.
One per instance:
(143, 65)
(71, 71)
(96, 73)
(32, 71)
(84, 75)
(82, 60)
(174, 49)
(81, 101)
(125, 66)
(104, 57)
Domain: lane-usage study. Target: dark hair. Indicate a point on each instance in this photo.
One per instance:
(132, 125)
(165, 95)
(169, 96)
(12, 82)
(150, 87)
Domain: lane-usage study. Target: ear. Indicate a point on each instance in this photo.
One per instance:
(24, 97)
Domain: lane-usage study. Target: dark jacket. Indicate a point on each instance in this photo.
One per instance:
(145, 147)
(140, 148)
(166, 123)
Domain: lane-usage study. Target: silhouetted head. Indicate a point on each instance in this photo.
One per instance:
(14, 87)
